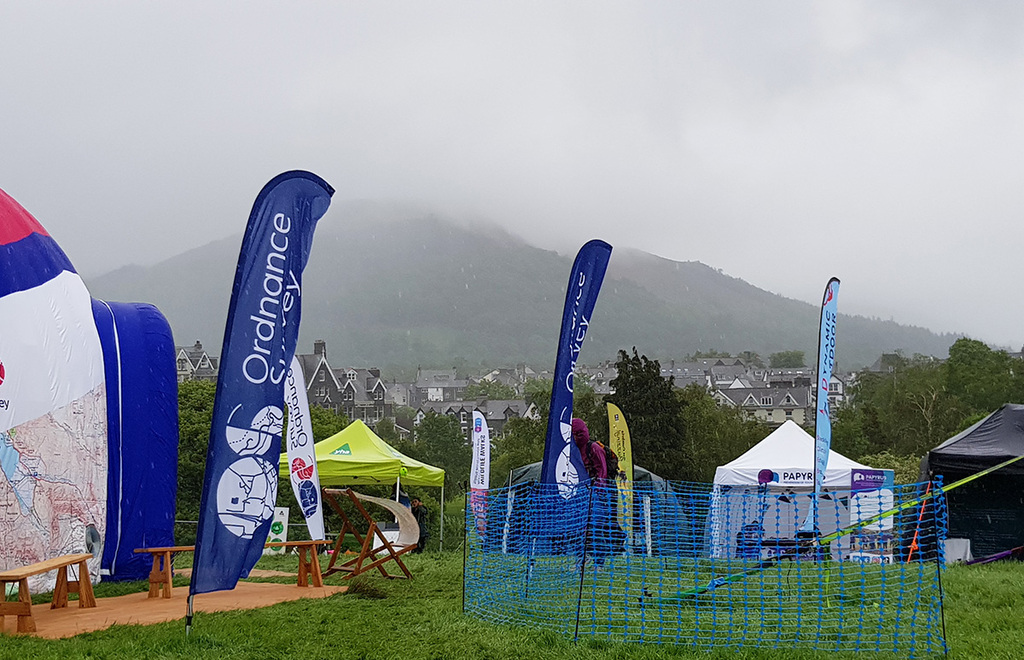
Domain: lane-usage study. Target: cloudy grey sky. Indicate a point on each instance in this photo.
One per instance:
(782, 142)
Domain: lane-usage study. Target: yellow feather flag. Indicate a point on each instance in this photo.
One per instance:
(618, 440)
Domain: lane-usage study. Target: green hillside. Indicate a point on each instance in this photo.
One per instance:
(419, 290)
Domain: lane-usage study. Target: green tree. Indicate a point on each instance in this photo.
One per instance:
(523, 439)
(586, 404)
(905, 411)
(195, 414)
(707, 355)
(325, 423)
(750, 358)
(786, 360)
(980, 377)
(589, 406)
(848, 436)
(440, 442)
(405, 417)
(520, 443)
(653, 413)
(387, 432)
(713, 435)
(906, 469)
(488, 389)
(538, 392)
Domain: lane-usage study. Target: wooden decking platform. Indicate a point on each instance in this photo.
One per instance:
(139, 609)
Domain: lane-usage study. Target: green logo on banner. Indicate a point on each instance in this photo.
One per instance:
(277, 527)
(342, 450)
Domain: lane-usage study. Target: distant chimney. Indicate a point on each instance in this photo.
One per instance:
(320, 348)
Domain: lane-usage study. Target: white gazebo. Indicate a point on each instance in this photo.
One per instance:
(764, 495)
(788, 453)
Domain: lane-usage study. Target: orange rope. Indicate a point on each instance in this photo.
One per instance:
(913, 544)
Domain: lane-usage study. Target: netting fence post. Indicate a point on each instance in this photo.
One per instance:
(465, 548)
(583, 562)
(941, 531)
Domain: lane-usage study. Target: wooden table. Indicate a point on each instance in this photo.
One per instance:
(23, 607)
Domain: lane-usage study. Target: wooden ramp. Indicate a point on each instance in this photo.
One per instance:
(139, 609)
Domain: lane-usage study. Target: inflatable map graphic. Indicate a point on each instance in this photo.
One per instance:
(53, 418)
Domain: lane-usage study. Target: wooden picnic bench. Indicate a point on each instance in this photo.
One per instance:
(309, 567)
(160, 575)
(22, 608)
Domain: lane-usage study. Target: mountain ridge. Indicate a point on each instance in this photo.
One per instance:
(430, 292)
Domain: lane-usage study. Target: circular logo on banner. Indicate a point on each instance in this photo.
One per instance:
(308, 498)
(246, 495)
(301, 470)
(2, 373)
(247, 437)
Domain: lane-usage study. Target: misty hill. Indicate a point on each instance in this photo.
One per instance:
(397, 290)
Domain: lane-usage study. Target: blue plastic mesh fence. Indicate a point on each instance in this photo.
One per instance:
(712, 566)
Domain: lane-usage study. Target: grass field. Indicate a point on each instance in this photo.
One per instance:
(792, 604)
(422, 618)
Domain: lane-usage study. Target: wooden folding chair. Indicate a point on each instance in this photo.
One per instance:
(375, 549)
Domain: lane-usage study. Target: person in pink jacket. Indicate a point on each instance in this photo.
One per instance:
(593, 455)
(604, 538)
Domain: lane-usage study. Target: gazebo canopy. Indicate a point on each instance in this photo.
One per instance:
(358, 456)
(787, 454)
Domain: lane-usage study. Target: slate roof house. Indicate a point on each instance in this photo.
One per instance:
(773, 405)
(194, 363)
(357, 392)
(497, 412)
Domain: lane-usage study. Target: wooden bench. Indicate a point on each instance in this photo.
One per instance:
(160, 575)
(22, 608)
(309, 567)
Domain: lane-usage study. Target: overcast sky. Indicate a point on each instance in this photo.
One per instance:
(782, 142)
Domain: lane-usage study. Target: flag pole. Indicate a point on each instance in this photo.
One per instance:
(188, 615)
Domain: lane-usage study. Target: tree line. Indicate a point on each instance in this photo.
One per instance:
(918, 402)
(891, 420)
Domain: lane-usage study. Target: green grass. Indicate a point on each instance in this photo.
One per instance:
(790, 605)
(422, 618)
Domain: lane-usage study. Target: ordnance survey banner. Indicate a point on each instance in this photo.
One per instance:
(302, 468)
(563, 464)
(240, 485)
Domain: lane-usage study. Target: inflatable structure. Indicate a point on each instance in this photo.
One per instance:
(63, 487)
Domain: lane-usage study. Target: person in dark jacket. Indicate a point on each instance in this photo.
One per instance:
(420, 513)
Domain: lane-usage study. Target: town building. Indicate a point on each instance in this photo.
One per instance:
(194, 363)
(358, 393)
(497, 412)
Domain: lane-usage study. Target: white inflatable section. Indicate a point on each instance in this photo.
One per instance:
(49, 348)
